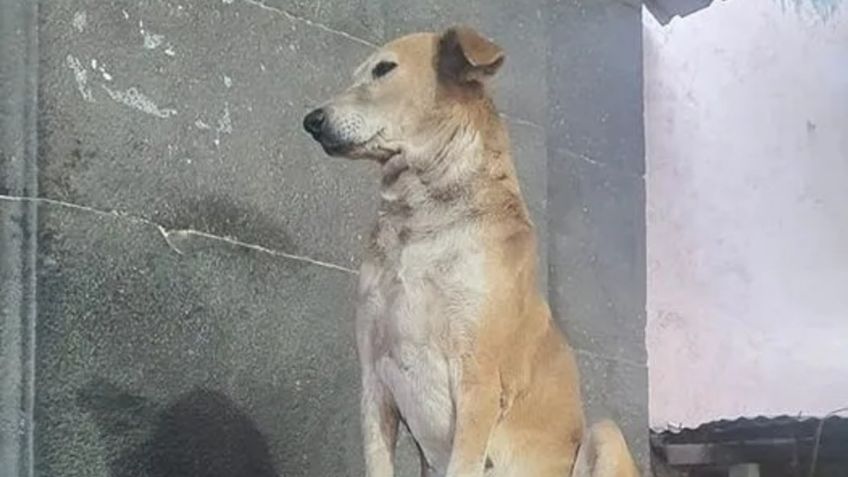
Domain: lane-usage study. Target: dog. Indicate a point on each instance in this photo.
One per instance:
(454, 338)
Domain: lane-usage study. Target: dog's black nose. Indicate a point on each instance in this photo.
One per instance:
(314, 122)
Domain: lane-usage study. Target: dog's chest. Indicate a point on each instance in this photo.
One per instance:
(430, 288)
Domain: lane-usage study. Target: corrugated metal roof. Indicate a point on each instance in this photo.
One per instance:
(759, 427)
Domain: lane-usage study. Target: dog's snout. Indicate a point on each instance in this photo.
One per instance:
(314, 122)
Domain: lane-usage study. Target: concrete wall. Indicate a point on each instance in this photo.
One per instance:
(178, 257)
(596, 197)
(747, 136)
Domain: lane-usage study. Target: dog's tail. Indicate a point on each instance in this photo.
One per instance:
(604, 453)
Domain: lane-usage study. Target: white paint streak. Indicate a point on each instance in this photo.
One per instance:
(201, 125)
(133, 98)
(228, 82)
(169, 50)
(80, 20)
(81, 77)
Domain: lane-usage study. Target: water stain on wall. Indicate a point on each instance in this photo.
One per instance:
(824, 9)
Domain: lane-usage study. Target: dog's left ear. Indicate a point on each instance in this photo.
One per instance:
(468, 57)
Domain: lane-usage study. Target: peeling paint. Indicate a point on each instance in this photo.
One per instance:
(133, 98)
(225, 125)
(81, 77)
(80, 20)
(152, 40)
(99, 67)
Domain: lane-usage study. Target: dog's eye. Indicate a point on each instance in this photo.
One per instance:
(383, 68)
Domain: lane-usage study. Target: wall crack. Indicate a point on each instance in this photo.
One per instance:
(312, 23)
(175, 237)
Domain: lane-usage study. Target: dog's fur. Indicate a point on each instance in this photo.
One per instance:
(454, 338)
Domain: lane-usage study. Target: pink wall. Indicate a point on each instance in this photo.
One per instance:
(746, 108)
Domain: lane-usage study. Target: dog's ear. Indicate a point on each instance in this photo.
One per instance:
(465, 56)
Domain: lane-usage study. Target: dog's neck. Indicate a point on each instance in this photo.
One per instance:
(446, 173)
(446, 163)
(461, 176)
(454, 148)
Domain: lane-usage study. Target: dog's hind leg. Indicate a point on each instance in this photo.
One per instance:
(604, 453)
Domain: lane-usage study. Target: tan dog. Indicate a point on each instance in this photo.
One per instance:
(454, 338)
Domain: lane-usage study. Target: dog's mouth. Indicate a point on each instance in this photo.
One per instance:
(343, 149)
(336, 149)
(371, 148)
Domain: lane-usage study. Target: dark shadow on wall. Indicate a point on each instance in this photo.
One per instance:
(202, 434)
(227, 216)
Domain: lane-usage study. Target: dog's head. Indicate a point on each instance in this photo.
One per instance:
(404, 92)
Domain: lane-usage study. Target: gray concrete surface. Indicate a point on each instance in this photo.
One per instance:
(189, 312)
(596, 203)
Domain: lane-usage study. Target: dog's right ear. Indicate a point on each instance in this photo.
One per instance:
(467, 57)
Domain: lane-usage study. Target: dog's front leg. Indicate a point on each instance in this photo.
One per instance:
(379, 427)
(477, 397)
(378, 413)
